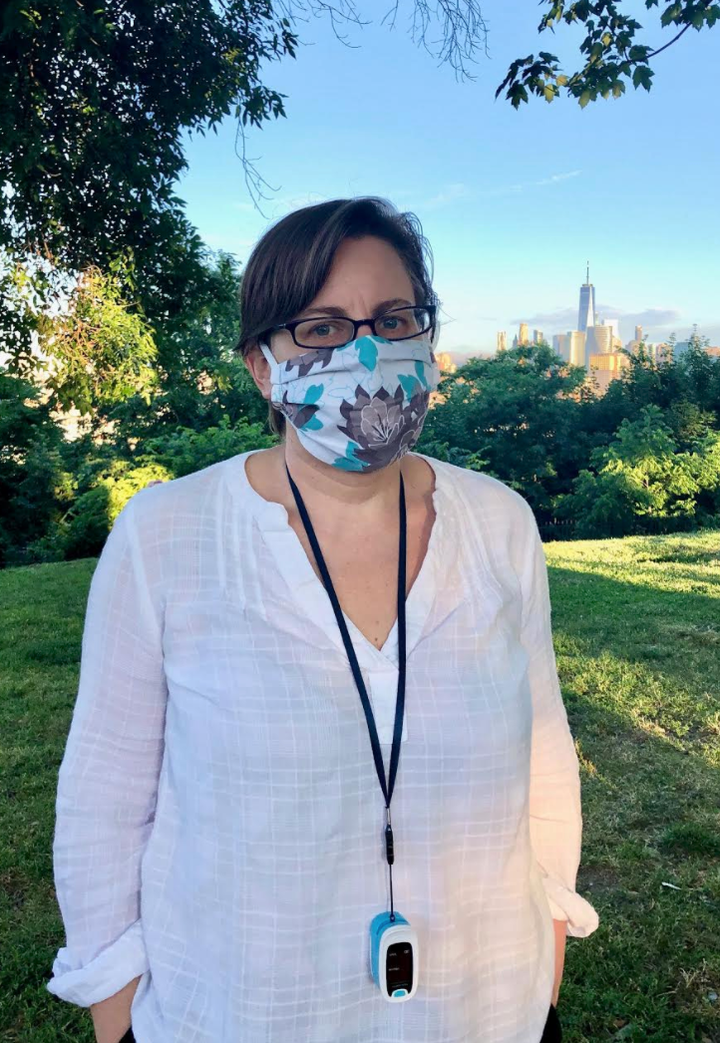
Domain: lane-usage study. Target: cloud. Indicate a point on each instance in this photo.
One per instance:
(658, 323)
(452, 192)
(564, 319)
(459, 190)
(650, 317)
(554, 179)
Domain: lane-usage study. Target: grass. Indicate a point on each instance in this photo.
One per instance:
(637, 638)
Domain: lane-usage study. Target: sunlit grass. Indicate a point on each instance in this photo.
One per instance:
(637, 639)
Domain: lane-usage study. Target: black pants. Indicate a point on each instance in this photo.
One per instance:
(552, 1033)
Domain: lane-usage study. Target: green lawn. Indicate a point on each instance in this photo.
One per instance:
(637, 636)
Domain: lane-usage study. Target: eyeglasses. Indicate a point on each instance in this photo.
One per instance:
(336, 332)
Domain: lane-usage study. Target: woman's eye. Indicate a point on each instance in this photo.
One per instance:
(322, 330)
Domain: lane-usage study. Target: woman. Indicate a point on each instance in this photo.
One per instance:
(319, 784)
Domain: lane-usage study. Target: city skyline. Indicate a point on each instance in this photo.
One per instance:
(513, 203)
(595, 342)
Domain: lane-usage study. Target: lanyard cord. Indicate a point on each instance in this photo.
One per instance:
(387, 789)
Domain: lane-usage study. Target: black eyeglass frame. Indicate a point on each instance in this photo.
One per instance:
(357, 323)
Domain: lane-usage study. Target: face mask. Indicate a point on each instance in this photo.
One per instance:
(359, 407)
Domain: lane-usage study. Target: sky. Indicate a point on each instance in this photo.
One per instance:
(513, 203)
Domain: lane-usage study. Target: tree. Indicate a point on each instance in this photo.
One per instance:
(639, 476)
(519, 412)
(33, 486)
(201, 380)
(612, 55)
(103, 350)
(95, 100)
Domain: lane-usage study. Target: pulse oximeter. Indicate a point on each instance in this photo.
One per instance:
(394, 957)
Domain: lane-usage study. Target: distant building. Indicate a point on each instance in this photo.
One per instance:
(639, 333)
(537, 336)
(524, 337)
(502, 340)
(599, 340)
(615, 324)
(445, 365)
(560, 346)
(586, 311)
(445, 362)
(606, 367)
(576, 347)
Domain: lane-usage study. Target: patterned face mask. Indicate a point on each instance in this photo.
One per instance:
(358, 407)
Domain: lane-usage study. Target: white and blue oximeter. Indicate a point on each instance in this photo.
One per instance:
(394, 957)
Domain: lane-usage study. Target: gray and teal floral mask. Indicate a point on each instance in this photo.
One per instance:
(358, 407)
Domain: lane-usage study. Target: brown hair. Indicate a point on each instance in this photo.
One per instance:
(290, 264)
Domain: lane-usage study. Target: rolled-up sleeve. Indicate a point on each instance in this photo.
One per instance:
(107, 782)
(555, 797)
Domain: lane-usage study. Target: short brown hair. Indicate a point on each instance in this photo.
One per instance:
(290, 264)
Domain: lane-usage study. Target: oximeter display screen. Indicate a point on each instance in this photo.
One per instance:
(399, 967)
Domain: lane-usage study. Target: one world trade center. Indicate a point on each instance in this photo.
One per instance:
(586, 314)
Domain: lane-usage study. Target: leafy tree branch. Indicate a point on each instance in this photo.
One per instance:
(612, 54)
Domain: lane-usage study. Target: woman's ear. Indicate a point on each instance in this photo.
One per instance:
(259, 369)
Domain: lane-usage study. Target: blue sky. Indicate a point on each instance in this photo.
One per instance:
(513, 202)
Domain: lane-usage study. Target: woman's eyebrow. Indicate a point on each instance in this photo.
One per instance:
(332, 309)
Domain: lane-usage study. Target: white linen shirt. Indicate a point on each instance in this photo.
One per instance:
(219, 821)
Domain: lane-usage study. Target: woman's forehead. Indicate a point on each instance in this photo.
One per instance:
(368, 271)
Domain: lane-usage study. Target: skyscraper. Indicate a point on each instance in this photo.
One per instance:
(501, 340)
(586, 312)
(615, 323)
(524, 337)
(576, 347)
(599, 340)
(537, 336)
(561, 343)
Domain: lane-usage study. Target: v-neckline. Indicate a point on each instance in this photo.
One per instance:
(309, 591)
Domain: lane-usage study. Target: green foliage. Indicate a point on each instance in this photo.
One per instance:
(103, 350)
(641, 475)
(83, 531)
(518, 411)
(33, 487)
(200, 378)
(611, 55)
(185, 451)
(92, 158)
(644, 457)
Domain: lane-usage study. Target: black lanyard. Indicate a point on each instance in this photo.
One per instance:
(400, 703)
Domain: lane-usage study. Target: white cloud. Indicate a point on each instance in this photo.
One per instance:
(448, 195)
(657, 322)
(554, 179)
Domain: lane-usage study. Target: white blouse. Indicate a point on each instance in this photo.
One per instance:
(219, 818)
